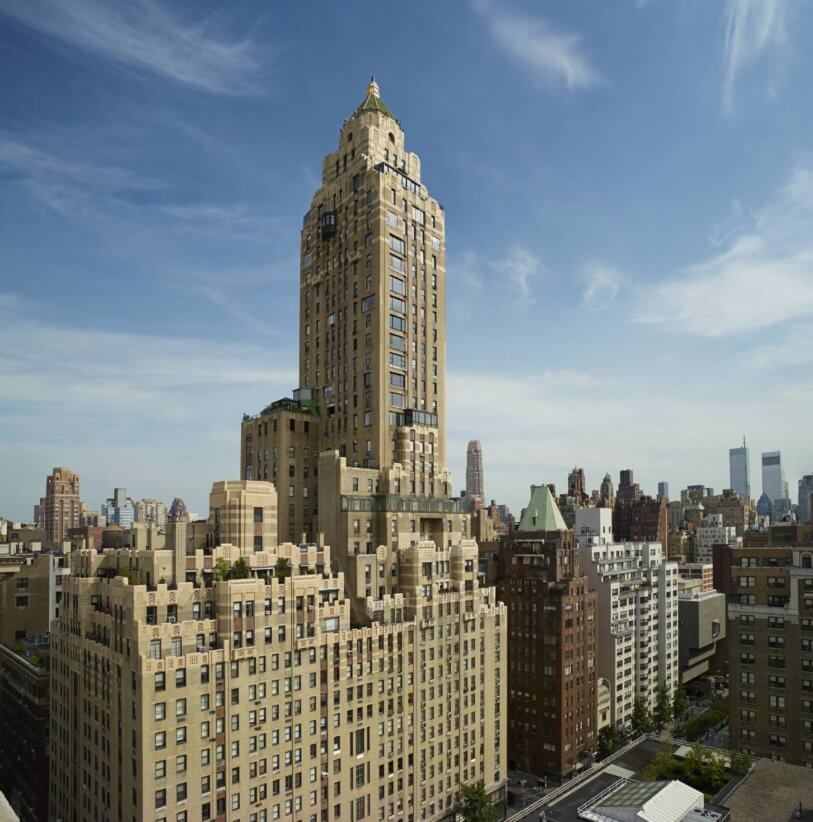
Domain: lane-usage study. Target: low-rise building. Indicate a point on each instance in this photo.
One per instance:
(702, 571)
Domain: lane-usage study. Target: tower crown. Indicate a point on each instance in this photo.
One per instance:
(373, 102)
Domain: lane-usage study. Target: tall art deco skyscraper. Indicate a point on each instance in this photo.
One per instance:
(372, 323)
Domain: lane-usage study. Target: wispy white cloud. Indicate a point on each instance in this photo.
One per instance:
(552, 55)
(518, 269)
(751, 27)
(99, 187)
(145, 35)
(142, 375)
(602, 284)
(761, 278)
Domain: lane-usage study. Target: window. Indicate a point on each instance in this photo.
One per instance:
(160, 769)
(397, 244)
(397, 264)
(397, 304)
(161, 798)
(258, 511)
(160, 710)
(160, 681)
(160, 740)
(397, 380)
(398, 285)
(397, 342)
(397, 323)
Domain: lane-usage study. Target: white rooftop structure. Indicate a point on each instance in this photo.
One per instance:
(626, 801)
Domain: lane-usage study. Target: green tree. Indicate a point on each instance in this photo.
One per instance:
(130, 575)
(221, 569)
(713, 770)
(661, 767)
(662, 715)
(740, 763)
(475, 805)
(283, 568)
(239, 570)
(680, 704)
(641, 719)
(608, 741)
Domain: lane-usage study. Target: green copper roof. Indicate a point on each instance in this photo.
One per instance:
(373, 102)
(542, 513)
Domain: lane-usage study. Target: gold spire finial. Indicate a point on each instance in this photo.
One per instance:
(372, 88)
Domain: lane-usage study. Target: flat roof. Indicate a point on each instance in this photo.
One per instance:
(773, 792)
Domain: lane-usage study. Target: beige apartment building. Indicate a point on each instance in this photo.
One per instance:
(31, 596)
(256, 698)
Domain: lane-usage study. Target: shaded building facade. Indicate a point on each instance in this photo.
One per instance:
(24, 733)
(644, 519)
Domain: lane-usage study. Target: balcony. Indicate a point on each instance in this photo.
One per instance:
(327, 224)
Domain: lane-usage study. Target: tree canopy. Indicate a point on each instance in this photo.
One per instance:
(475, 804)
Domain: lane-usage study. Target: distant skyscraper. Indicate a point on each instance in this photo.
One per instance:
(119, 509)
(628, 489)
(739, 470)
(765, 506)
(474, 470)
(62, 504)
(152, 511)
(805, 493)
(577, 484)
(663, 491)
(607, 491)
(773, 476)
(177, 511)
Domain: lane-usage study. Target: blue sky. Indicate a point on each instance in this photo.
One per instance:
(629, 199)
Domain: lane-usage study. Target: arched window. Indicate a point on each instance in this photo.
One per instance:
(392, 137)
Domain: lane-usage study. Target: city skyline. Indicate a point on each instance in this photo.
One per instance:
(172, 193)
